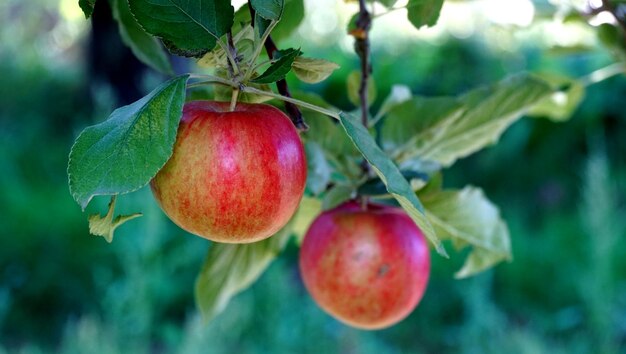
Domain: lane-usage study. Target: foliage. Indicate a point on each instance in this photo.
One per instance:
(508, 308)
(418, 136)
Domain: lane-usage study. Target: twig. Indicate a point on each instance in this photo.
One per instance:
(292, 110)
(362, 49)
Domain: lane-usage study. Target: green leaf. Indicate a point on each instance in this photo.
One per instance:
(308, 210)
(560, 105)
(337, 195)
(324, 130)
(354, 82)
(423, 12)
(396, 184)
(318, 169)
(145, 47)
(467, 217)
(279, 68)
(293, 14)
(375, 187)
(231, 268)
(189, 28)
(87, 7)
(338, 150)
(268, 9)
(312, 70)
(387, 3)
(123, 153)
(105, 226)
(456, 128)
(418, 119)
(397, 95)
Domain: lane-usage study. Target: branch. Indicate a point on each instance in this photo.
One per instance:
(283, 89)
(362, 49)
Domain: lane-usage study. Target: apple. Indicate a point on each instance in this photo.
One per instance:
(366, 266)
(234, 177)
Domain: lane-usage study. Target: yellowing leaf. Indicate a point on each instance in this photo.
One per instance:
(105, 226)
(311, 70)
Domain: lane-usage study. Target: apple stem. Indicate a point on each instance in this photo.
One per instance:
(362, 49)
(281, 85)
(233, 99)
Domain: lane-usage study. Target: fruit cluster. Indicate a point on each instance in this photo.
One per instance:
(238, 177)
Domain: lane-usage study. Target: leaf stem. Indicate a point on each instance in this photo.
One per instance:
(210, 79)
(328, 112)
(603, 74)
(259, 47)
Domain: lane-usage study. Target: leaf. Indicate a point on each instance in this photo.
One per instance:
(423, 12)
(124, 152)
(312, 70)
(318, 169)
(308, 210)
(231, 268)
(216, 58)
(375, 187)
(338, 150)
(279, 68)
(324, 130)
(456, 128)
(387, 3)
(293, 14)
(87, 7)
(418, 119)
(268, 9)
(188, 28)
(560, 105)
(396, 184)
(397, 95)
(260, 27)
(105, 226)
(467, 217)
(354, 82)
(145, 47)
(337, 195)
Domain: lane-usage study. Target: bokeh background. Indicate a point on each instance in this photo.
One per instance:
(561, 186)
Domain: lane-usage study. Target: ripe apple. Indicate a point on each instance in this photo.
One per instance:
(367, 267)
(234, 177)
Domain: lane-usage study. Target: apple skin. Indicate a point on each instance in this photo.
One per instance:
(234, 177)
(367, 268)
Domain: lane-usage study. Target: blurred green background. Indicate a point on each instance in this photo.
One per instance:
(560, 186)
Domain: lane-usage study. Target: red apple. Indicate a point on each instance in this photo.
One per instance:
(366, 267)
(234, 177)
